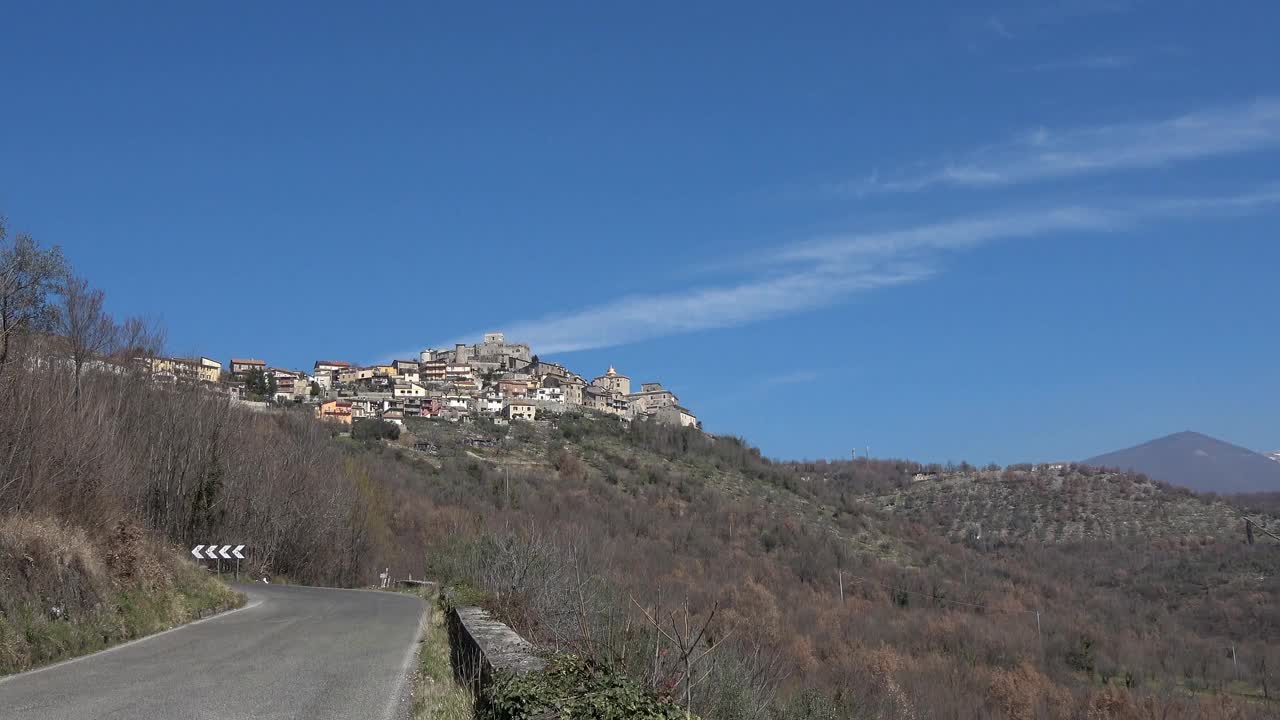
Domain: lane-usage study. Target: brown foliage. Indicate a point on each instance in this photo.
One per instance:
(953, 636)
(830, 576)
(47, 562)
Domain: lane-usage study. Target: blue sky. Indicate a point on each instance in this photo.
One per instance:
(1014, 231)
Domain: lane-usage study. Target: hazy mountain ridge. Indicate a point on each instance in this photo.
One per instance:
(1198, 462)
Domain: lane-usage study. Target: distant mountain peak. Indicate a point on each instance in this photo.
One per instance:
(1188, 435)
(1199, 462)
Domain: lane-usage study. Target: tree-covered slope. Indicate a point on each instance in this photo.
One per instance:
(864, 583)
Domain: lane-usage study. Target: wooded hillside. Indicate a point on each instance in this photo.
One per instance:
(1085, 592)
(744, 587)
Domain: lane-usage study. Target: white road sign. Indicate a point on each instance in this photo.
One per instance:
(213, 552)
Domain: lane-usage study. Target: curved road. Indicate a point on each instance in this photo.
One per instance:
(291, 652)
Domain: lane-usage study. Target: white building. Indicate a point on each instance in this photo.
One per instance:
(326, 372)
(408, 390)
(550, 394)
(489, 404)
(459, 373)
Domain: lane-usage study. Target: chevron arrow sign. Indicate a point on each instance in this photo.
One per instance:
(216, 552)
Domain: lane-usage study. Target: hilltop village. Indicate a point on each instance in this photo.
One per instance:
(493, 378)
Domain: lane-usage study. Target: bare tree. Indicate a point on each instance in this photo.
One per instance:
(138, 337)
(86, 328)
(687, 634)
(28, 274)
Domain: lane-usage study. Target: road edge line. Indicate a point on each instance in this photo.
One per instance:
(402, 697)
(123, 645)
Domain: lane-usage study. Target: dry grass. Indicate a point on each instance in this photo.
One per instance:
(62, 594)
(435, 694)
(45, 560)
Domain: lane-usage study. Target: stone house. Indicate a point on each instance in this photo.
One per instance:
(240, 366)
(651, 398)
(520, 409)
(571, 388)
(676, 415)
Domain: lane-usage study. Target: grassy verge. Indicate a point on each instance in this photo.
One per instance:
(59, 599)
(30, 637)
(435, 694)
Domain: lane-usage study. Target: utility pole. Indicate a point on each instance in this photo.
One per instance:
(1235, 668)
(506, 469)
(1039, 637)
(840, 577)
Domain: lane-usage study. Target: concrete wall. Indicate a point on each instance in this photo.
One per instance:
(482, 648)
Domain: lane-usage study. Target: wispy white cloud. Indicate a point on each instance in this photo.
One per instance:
(997, 26)
(1023, 16)
(1086, 62)
(1046, 154)
(967, 233)
(960, 234)
(641, 317)
(829, 270)
(1250, 202)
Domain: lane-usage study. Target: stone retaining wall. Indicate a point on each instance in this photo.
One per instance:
(482, 648)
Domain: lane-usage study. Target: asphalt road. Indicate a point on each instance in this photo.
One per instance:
(292, 652)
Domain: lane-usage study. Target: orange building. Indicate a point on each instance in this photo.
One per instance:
(335, 410)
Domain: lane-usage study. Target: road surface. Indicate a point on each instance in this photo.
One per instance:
(292, 652)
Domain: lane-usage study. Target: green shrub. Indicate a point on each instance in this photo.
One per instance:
(573, 689)
(1081, 657)
(373, 429)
